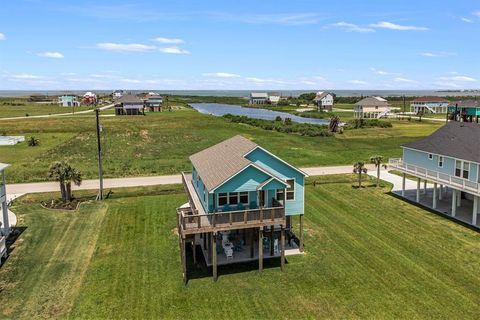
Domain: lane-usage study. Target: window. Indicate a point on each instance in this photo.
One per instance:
(291, 190)
(222, 199)
(233, 197)
(440, 161)
(458, 168)
(280, 193)
(466, 170)
(430, 156)
(244, 197)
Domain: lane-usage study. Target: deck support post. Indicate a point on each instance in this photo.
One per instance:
(424, 186)
(260, 249)
(418, 190)
(434, 205)
(214, 256)
(209, 244)
(404, 178)
(300, 246)
(282, 241)
(440, 193)
(271, 241)
(454, 202)
(459, 198)
(194, 249)
(475, 210)
(184, 261)
(252, 243)
(204, 241)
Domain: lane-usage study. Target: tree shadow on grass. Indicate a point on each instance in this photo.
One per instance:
(12, 238)
(201, 270)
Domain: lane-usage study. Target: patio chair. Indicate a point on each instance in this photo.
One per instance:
(240, 206)
(253, 205)
(226, 207)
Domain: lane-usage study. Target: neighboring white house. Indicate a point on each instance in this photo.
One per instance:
(429, 105)
(68, 100)
(274, 97)
(258, 98)
(372, 107)
(118, 93)
(324, 101)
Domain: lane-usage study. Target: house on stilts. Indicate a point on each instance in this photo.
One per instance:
(242, 200)
(448, 163)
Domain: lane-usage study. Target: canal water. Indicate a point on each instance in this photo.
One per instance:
(219, 110)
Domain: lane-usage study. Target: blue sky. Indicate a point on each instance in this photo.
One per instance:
(271, 44)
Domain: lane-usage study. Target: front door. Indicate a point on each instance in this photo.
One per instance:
(262, 198)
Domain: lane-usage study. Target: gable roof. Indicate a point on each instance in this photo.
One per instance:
(455, 139)
(221, 161)
(129, 98)
(320, 95)
(467, 103)
(373, 101)
(430, 99)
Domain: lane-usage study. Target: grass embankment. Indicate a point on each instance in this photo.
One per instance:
(368, 255)
(160, 143)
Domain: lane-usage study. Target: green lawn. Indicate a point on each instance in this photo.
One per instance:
(21, 107)
(368, 255)
(160, 143)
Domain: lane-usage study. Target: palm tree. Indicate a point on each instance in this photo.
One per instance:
(33, 142)
(359, 168)
(378, 162)
(56, 172)
(71, 175)
(65, 174)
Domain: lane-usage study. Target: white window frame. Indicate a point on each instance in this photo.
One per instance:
(287, 190)
(228, 198)
(440, 161)
(462, 169)
(430, 156)
(218, 199)
(455, 168)
(468, 171)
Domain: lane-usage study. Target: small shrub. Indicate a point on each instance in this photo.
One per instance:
(33, 141)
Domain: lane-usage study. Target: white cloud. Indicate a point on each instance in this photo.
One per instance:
(358, 82)
(436, 54)
(467, 20)
(25, 76)
(393, 26)
(383, 72)
(404, 80)
(169, 40)
(2, 36)
(476, 13)
(51, 54)
(458, 79)
(122, 47)
(282, 19)
(351, 27)
(221, 75)
(174, 50)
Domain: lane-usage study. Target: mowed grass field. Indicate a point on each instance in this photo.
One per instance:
(20, 107)
(368, 255)
(160, 143)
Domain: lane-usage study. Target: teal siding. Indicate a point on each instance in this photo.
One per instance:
(202, 192)
(420, 158)
(283, 171)
(274, 184)
(246, 180)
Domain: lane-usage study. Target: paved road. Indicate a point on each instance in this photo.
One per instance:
(59, 114)
(15, 190)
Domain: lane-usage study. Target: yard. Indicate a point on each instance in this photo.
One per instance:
(160, 143)
(21, 107)
(368, 255)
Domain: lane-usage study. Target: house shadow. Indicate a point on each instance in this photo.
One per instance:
(10, 243)
(444, 215)
(201, 270)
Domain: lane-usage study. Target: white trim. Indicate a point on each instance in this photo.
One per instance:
(294, 190)
(283, 161)
(438, 154)
(264, 183)
(238, 198)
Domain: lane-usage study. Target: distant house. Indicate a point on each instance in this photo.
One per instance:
(258, 98)
(372, 107)
(4, 223)
(465, 111)
(274, 97)
(129, 105)
(90, 98)
(242, 201)
(118, 93)
(449, 159)
(429, 104)
(324, 101)
(153, 102)
(39, 97)
(68, 100)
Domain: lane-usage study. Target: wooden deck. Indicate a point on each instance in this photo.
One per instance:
(194, 219)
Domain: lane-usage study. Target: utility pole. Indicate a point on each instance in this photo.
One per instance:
(404, 104)
(100, 170)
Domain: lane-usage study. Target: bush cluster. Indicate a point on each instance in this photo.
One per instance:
(285, 126)
(368, 123)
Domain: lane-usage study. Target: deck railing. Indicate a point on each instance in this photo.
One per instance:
(435, 176)
(190, 222)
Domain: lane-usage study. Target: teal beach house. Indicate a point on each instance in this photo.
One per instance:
(242, 201)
